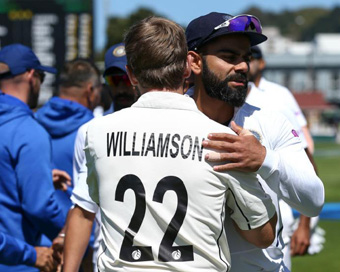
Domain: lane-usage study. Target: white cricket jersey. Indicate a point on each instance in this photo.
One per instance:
(80, 193)
(281, 93)
(286, 173)
(281, 99)
(162, 205)
(271, 96)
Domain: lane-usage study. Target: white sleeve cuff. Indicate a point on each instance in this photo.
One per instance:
(86, 204)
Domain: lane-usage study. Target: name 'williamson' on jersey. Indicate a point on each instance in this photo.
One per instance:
(120, 143)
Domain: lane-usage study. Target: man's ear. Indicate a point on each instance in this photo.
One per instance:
(89, 89)
(30, 74)
(131, 75)
(195, 62)
(262, 64)
(187, 70)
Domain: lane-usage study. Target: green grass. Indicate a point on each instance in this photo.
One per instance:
(327, 158)
(328, 259)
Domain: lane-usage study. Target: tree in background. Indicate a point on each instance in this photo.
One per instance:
(302, 24)
(299, 25)
(116, 27)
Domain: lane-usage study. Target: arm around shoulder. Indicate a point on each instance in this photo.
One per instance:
(262, 236)
(252, 210)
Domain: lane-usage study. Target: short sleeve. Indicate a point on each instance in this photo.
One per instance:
(80, 193)
(250, 206)
(92, 180)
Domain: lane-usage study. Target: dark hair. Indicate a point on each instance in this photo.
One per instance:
(156, 52)
(77, 72)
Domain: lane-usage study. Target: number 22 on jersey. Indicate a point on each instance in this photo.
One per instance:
(167, 252)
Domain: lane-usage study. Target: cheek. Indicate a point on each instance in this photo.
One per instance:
(220, 67)
(37, 86)
(113, 91)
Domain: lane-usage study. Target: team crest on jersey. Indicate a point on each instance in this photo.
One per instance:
(119, 51)
(256, 134)
(295, 133)
(136, 254)
(176, 254)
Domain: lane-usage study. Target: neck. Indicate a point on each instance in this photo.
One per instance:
(19, 91)
(75, 95)
(257, 80)
(215, 109)
(179, 90)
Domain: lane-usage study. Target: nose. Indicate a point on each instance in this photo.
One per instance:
(242, 66)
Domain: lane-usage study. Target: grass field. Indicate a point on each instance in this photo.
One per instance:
(327, 158)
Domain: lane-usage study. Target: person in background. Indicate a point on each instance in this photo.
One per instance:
(106, 104)
(78, 94)
(275, 92)
(123, 95)
(271, 96)
(27, 197)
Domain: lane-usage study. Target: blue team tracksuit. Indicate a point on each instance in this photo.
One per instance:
(62, 118)
(27, 197)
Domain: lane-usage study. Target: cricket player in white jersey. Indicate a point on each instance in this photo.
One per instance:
(162, 205)
(219, 46)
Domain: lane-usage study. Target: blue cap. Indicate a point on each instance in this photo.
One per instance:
(115, 57)
(202, 29)
(256, 52)
(21, 58)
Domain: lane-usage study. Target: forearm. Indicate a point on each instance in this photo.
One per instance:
(304, 222)
(78, 230)
(300, 240)
(309, 139)
(262, 236)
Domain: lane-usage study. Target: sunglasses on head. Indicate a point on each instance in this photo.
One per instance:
(114, 80)
(240, 23)
(244, 22)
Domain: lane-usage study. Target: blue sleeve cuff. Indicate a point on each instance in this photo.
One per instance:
(14, 251)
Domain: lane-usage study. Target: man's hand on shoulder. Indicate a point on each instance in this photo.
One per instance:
(242, 152)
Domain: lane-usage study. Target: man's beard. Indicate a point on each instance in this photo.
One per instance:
(220, 90)
(32, 97)
(128, 100)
